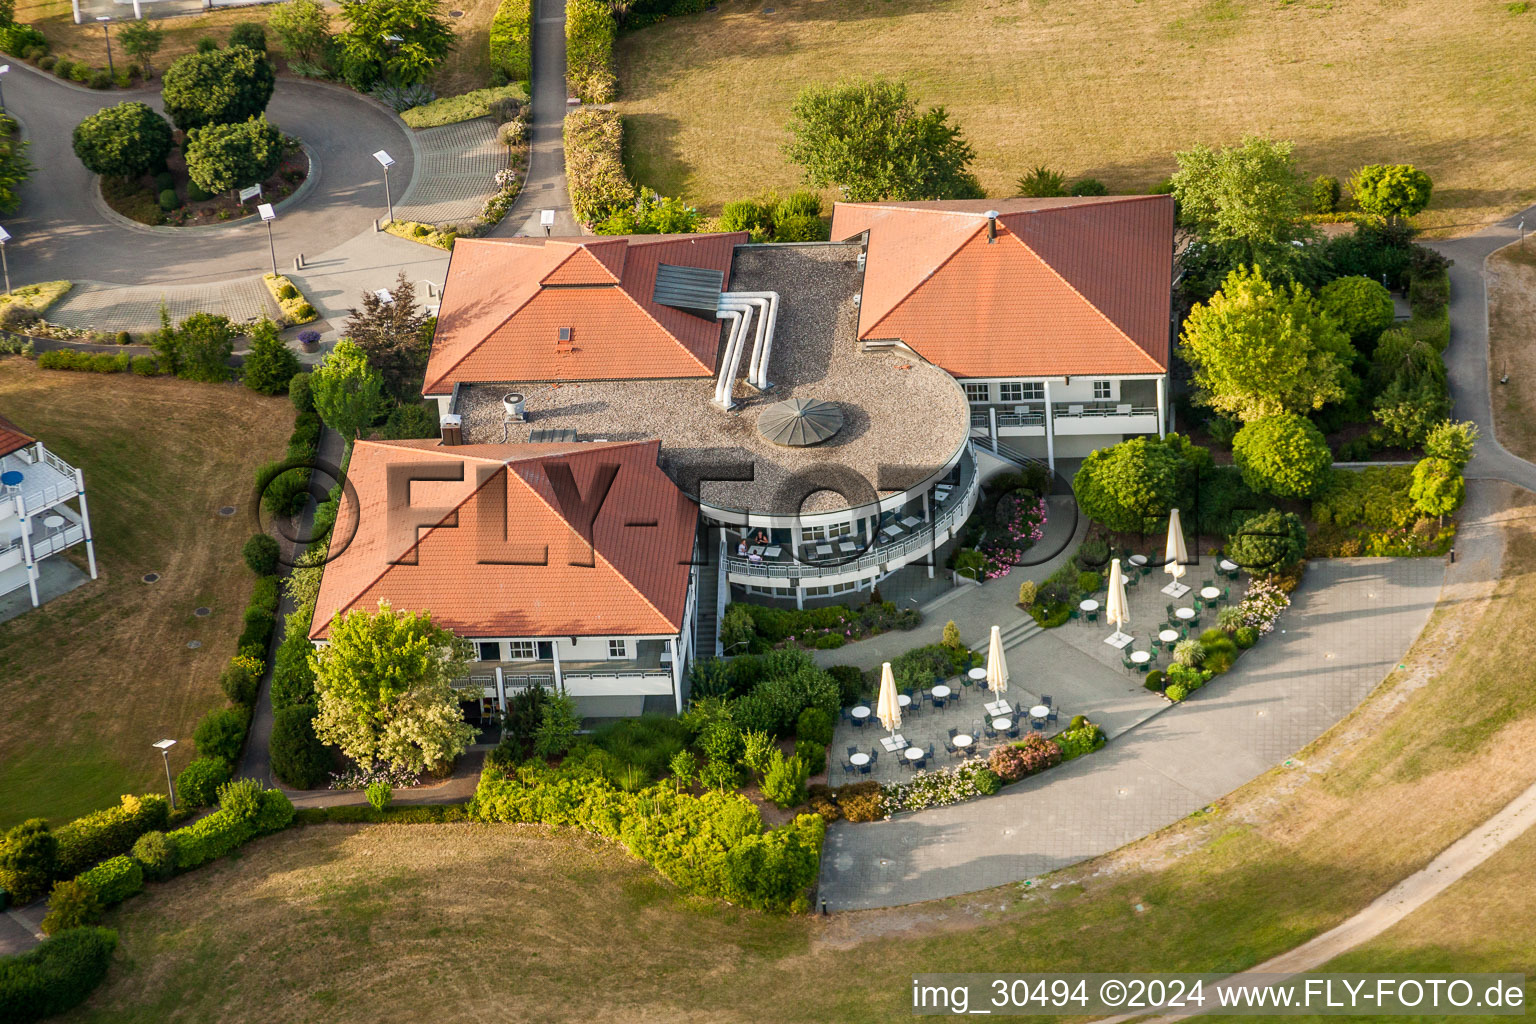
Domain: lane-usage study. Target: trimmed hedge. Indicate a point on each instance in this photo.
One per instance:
(223, 832)
(298, 756)
(98, 836)
(594, 164)
(713, 845)
(114, 880)
(90, 362)
(198, 783)
(427, 814)
(511, 40)
(589, 35)
(55, 976)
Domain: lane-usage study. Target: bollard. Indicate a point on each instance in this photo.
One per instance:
(823, 906)
(298, 262)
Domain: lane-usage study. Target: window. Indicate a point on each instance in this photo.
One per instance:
(618, 649)
(840, 530)
(522, 650)
(811, 533)
(1034, 391)
(978, 392)
(1010, 391)
(490, 650)
(1102, 392)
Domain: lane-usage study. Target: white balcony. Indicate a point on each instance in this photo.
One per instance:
(46, 480)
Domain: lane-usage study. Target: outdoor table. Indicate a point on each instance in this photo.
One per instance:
(823, 549)
(903, 700)
(910, 521)
(772, 552)
(848, 547)
(1039, 711)
(1141, 657)
(1184, 613)
(755, 549)
(961, 739)
(915, 754)
(1002, 724)
(998, 708)
(977, 674)
(1209, 593)
(860, 712)
(1089, 605)
(893, 743)
(889, 532)
(1226, 566)
(53, 522)
(858, 759)
(1168, 636)
(12, 477)
(941, 691)
(1138, 560)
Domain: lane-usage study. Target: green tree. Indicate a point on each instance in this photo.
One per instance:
(1325, 193)
(204, 343)
(1362, 307)
(271, 364)
(303, 27)
(298, 756)
(221, 87)
(1452, 442)
(1438, 488)
(249, 34)
(399, 41)
(123, 141)
(28, 857)
(784, 781)
(227, 157)
(951, 635)
(1258, 350)
(141, 41)
(1130, 487)
(15, 169)
(558, 722)
(349, 394)
(1393, 192)
(1271, 541)
(1247, 199)
(868, 139)
(1283, 455)
(1409, 407)
(390, 335)
(1041, 183)
(384, 693)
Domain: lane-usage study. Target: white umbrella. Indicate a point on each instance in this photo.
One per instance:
(997, 666)
(1116, 610)
(1175, 554)
(888, 709)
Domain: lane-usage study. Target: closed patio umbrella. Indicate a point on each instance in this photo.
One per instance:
(888, 709)
(1116, 610)
(1175, 555)
(997, 665)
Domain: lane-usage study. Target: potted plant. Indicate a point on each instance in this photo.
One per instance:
(309, 341)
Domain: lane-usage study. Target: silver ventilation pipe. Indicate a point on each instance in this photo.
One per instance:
(768, 311)
(732, 355)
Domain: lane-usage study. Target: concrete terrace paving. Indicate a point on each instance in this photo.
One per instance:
(1347, 626)
(91, 305)
(456, 172)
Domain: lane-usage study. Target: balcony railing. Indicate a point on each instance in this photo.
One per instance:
(952, 512)
(45, 482)
(1034, 416)
(1073, 410)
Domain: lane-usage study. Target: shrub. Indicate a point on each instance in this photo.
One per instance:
(1176, 692)
(850, 684)
(221, 734)
(379, 793)
(168, 200)
(1268, 542)
(100, 78)
(298, 757)
(1283, 455)
(93, 838)
(754, 216)
(1245, 637)
(1325, 193)
(816, 725)
(1088, 582)
(114, 880)
(63, 67)
(951, 635)
(71, 904)
(241, 798)
(56, 975)
(511, 40)
(47, 63)
(210, 838)
(28, 860)
(260, 553)
(156, 852)
(784, 782)
(1189, 652)
(299, 392)
(198, 783)
(1154, 681)
(589, 35)
(594, 164)
(217, 87)
(861, 801)
(123, 141)
(813, 754)
(1008, 762)
(1027, 593)
(1361, 306)
(1075, 742)
(1089, 187)
(248, 34)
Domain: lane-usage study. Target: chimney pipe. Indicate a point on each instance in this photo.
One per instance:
(991, 216)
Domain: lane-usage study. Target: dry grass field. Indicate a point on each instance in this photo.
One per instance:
(91, 679)
(1511, 328)
(1105, 88)
(479, 923)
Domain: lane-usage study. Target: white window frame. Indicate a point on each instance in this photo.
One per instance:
(1103, 391)
(1010, 391)
(836, 530)
(976, 392)
(622, 648)
(1034, 391)
(523, 650)
(481, 645)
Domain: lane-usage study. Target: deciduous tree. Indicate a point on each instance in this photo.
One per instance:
(1131, 486)
(348, 393)
(1452, 441)
(1362, 307)
(869, 140)
(1271, 541)
(141, 41)
(399, 41)
(1283, 455)
(219, 87)
(226, 157)
(1438, 488)
(123, 141)
(1393, 192)
(1260, 350)
(1246, 200)
(303, 27)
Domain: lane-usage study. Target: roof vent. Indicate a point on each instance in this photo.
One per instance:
(800, 422)
(991, 216)
(452, 425)
(512, 401)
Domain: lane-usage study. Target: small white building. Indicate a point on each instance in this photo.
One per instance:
(42, 510)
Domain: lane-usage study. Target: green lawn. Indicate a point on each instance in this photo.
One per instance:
(515, 924)
(1103, 88)
(91, 679)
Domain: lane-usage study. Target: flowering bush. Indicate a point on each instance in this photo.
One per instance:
(942, 786)
(358, 777)
(1030, 755)
(1017, 523)
(1262, 605)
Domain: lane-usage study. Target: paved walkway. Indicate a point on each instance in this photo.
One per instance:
(545, 188)
(1348, 624)
(457, 165)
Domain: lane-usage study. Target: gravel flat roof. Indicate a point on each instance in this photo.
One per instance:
(900, 412)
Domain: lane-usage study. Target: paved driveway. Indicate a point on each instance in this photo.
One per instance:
(1348, 624)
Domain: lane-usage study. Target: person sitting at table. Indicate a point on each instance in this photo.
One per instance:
(754, 557)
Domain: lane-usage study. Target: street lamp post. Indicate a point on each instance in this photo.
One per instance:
(5, 236)
(386, 161)
(269, 215)
(164, 746)
(4, 69)
(105, 21)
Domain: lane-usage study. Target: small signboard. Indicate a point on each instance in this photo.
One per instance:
(547, 218)
(266, 211)
(247, 194)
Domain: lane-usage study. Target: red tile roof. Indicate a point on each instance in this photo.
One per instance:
(631, 580)
(1071, 285)
(12, 438)
(505, 301)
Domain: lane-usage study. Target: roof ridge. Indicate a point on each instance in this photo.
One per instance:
(948, 258)
(487, 335)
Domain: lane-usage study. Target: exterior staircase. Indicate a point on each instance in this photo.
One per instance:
(706, 629)
(1012, 635)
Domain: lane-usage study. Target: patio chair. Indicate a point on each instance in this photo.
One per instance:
(930, 755)
(939, 702)
(908, 765)
(1169, 609)
(852, 749)
(1132, 579)
(1093, 616)
(874, 757)
(987, 730)
(1073, 613)
(1037, 724)
(955, 696)
(1013, 730)
(858, 723)
(1047, 699)
(864, 769)
(849, 768)
(1052, 716)
(952, 732)
(966, 680)
(1125, 659)
(951, 749)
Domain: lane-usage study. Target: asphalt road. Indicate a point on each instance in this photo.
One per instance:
(61, 233)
